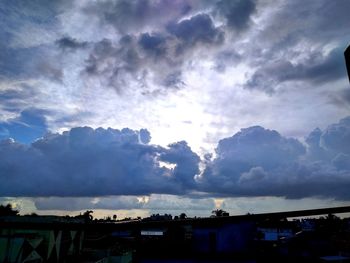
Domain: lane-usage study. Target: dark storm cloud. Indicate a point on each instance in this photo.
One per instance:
(28, 126)
(88, 162)
(153, 44)
(135, 15)
(290, 44)
(320, 68)
(197, 29)
(156, 57)
(311, 24)
(187, 162)
(237, 13)
(115, 64)
(317, 69)
(254, 162)
(68, 43)
(249, 148)
(277, 59)
(260, 162)
(101, 51)
(293, 45)
(166, 35)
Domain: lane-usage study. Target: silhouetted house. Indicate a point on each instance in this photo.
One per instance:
(347, 60)
(55, 238)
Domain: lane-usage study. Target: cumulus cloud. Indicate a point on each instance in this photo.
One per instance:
(336, 138)
(88, 162)
(260, 162)
(186, 163)
(254, 147)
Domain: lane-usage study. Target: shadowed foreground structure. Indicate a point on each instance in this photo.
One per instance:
(347, 60)
(245, 237)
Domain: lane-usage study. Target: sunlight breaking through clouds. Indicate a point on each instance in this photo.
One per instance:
(195, 99)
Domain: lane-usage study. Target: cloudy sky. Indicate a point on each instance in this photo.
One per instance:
(137, 107)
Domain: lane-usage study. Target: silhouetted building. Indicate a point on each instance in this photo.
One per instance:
(265, 236)
(347, 60)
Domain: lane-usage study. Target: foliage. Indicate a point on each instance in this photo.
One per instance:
(220, 212)
(7, 210)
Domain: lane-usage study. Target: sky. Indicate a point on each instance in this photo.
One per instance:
(168, 106)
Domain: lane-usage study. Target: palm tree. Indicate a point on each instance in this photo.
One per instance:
(183, 216)
(219, 212)
(87, 215)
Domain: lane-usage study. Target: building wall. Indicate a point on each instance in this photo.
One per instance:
(21, 245)
(227, 238)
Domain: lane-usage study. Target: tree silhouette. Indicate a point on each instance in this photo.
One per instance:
(183, 216)
(7, 210)
(219, 212)
(87, 215)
